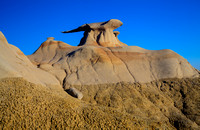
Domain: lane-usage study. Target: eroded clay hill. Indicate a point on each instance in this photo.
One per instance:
(101, 58)
(13, 63)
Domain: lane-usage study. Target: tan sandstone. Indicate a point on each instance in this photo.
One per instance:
(13, 63)
(98, 65)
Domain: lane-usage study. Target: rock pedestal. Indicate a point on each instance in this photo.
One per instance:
(100, 33)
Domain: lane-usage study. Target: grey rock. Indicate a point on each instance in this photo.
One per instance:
(74, 93)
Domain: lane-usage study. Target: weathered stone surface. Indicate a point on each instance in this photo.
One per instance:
(13, 63)
(98, 65)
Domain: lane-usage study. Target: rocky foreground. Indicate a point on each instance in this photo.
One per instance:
(119, 86)
(167, 104)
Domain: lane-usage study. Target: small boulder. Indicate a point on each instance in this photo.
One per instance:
(74, 93)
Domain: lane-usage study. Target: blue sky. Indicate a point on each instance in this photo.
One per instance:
(150, 24)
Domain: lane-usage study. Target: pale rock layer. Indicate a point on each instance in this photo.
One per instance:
(13, 63)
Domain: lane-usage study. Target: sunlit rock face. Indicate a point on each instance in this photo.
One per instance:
(13, 63)
(100, 33)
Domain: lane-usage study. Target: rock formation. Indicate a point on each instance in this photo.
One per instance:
(124, 87)
(100, 33)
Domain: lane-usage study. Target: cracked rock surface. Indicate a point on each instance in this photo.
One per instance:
(85, 65)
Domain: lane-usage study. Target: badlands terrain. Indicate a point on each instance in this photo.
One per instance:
(101, 83)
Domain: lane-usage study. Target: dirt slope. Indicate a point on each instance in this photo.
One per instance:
(25, 105)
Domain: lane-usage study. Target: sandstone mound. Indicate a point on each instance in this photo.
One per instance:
(13, 63)
(98, 65)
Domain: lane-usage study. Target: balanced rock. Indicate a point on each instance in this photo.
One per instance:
(100, 33)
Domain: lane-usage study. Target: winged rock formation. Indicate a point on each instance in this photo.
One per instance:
(100, 33)
(100, 58)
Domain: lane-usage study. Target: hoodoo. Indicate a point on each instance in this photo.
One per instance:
(100, 33)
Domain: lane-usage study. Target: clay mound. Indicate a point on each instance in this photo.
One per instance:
(13, 63)
(52, 48)
(98, 65)
(50, 41)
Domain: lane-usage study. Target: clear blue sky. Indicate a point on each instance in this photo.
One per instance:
(150, 24)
